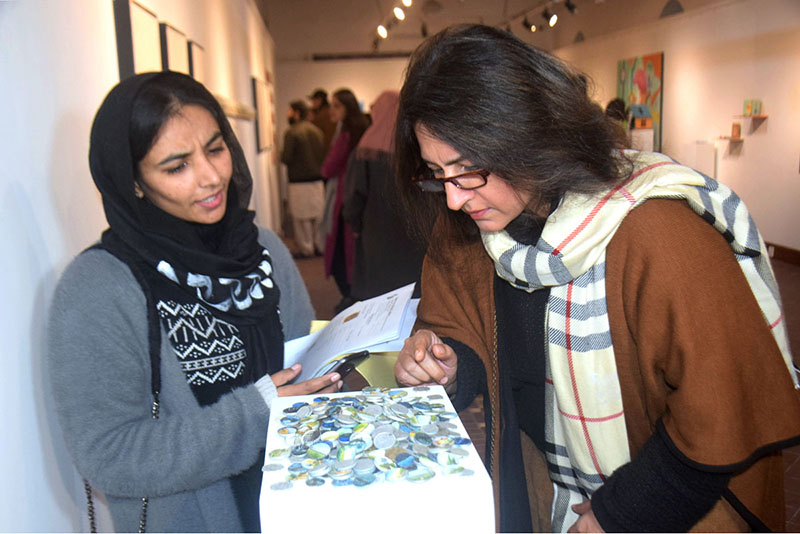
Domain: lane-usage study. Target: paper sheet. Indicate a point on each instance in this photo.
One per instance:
(382, 322)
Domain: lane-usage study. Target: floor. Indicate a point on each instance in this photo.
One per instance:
(324, 296)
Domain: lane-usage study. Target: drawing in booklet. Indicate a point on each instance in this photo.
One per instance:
(380, 324)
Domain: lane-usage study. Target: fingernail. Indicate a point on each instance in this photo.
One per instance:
(335, 377)
(296, 367)
(340, 384)
(443, 380)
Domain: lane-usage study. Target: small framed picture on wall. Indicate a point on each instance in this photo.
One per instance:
(174, 49)
(138, 38)
(196, 62)
(263, 104)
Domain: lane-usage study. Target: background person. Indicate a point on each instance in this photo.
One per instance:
(616, 309)
(617, 111)
(165, 341)
(339, 240)
(303, 152)
(386, 257)
(322, 116)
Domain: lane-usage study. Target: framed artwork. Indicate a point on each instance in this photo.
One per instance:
(262, 98)
(174, 49)
(640, 83)
(138, 41)
(196, 59)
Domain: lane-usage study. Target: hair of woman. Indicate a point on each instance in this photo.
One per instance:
(161, 98)
(509, 108)
(355, 122)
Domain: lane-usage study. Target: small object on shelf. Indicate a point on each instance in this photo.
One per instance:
(736, 130)
(752, 107)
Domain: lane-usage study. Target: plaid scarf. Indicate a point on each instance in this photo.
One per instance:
(582, 382)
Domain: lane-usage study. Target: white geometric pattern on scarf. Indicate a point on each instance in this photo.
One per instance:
(209, 349)
(242, 291)
(585, 431)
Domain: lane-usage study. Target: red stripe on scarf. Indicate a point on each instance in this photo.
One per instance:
(575, 386)
(596, 209)
(777, 322)
(592, 419)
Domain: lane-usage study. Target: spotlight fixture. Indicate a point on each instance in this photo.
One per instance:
(532, 28)
(570, 5)
(398, 13)
(424, 30)
(551, 18)
(382, 31)
(526, 23)
(407, 3)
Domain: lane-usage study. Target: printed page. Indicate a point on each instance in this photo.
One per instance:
(362, 325)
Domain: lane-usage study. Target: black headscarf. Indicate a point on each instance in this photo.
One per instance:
(150, 230)
(222, 266)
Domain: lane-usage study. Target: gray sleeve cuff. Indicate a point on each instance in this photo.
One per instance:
(266, 387)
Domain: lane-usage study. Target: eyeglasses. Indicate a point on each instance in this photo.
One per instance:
(427, 181)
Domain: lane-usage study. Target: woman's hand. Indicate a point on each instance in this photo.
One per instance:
(587, 522)
(329, 383)
(424, 359)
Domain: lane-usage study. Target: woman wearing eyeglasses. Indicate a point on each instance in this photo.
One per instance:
(617, 310)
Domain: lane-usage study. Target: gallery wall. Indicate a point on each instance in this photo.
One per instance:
(715, 57)
(58, 60)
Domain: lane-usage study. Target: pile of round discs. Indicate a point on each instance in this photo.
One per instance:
(372, 436)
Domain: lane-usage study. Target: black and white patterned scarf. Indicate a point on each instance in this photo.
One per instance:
(218, 272)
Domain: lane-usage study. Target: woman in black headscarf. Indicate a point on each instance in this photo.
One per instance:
(165, 343)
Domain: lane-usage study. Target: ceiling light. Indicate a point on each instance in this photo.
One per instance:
(382, 31)
(551, 18)
(532, 28)
(570, 5)
(407, 3)
(672, 7)
(398, 13)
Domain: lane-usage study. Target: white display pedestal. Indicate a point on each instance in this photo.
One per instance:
(455, 502)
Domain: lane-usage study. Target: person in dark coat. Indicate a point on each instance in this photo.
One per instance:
(386, 257)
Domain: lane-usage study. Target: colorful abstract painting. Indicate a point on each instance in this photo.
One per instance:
(640, 82)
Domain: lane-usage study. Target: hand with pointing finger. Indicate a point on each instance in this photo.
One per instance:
(425, 359)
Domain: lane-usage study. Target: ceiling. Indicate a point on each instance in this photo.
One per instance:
(336, 29)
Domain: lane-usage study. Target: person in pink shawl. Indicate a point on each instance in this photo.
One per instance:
(339, 240)
(386, 256)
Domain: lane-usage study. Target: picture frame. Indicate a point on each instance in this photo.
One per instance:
(138, 38)
(196, 61)
(262, 100)
(174, 49)
(640, 82)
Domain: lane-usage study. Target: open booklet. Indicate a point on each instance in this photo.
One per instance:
(379, 324)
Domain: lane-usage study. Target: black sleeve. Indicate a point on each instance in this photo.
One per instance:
(471, 374)
(657, 491)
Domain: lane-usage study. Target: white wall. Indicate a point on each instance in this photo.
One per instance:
(58, 60)
(715, 57)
